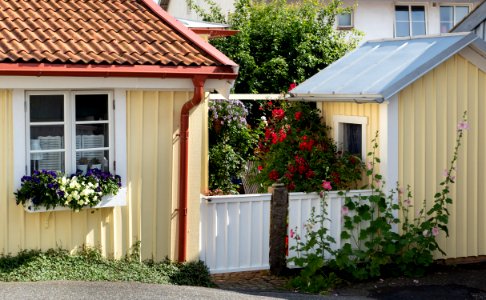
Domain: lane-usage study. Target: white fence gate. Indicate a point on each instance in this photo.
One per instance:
(235, 229)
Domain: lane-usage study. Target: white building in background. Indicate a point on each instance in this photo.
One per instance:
(376, 18)
(387, 18)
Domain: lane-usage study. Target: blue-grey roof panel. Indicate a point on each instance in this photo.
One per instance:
(379, 69)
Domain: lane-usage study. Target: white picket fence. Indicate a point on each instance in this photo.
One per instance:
(235, 229)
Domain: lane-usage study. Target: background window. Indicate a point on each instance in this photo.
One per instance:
(345, 20)
(409, 20)
(451, 15)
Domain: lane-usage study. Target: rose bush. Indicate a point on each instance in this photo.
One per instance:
(295, 149)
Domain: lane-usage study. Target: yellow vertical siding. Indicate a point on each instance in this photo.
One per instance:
(369, 110)
(6, 166)
(429, 111)
(152, 183)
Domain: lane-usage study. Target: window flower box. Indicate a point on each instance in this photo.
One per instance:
(106, 202)
(52, 191)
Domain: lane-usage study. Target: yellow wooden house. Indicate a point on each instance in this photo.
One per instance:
(414, 92)
(118, 82)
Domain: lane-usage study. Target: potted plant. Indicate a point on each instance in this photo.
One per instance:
(82, 165)
(95, 163)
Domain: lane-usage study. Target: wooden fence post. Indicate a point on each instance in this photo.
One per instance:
(278, 229)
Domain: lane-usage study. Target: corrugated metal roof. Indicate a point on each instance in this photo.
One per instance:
(380, 69)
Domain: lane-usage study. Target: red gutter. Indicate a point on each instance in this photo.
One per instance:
(91, 70)
(198, 82)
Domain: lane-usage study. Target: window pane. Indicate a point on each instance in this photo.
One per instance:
(86, 160)
(418, 14)
(46, 108)
(92, 107)
(53, 161)
(50, 137)
(445, 27)
(461, 12)
(401, 14)
(92, 136)
(446, 13)
(352, 139)
(344, 20)
(403, 29)
(418, 28)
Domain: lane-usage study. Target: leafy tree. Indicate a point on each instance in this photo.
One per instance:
(280, 42)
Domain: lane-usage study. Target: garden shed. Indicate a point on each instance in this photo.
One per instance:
(119, 83)
(414, 92)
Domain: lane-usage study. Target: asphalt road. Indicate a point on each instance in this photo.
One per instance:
(130, 290)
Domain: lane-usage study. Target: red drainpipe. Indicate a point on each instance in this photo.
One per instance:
(198, 82)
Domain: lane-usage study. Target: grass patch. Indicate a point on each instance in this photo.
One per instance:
(87, 264)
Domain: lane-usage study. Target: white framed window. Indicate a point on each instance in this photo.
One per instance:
(410, 20)
(450, 15)
(69, 131)
(350, 134)
(345, 20)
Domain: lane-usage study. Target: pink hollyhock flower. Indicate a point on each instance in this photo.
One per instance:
(400, 191)
(297, 115)
(407, 202)
(435, 231)
(463, 125)
(326, 185)
(345, 210)
(292, 233)
(369, 166)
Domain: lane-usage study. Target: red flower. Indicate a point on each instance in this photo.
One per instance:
(297, 115)
(302, 169)
(310, 174)
(269, 103)
(292, 86)
(278, 113)
(282, 135)
(291, 186)
(274, 138)
(289, 176)
(260, 168)
(273, 175)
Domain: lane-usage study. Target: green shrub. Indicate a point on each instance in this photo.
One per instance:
(87, 264)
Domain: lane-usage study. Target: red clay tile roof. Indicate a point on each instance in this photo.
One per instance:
(99, 32)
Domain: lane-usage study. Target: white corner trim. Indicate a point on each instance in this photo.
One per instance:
(120, 127)
(19, 132)
(388, 142)
(339, 120)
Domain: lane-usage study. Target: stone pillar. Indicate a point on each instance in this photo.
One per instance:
(278, 229)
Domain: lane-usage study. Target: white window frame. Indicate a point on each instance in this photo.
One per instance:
(345, 27)
(118, 88)
(453, 5)
(340, 120)
(409, 4)
(70, 127)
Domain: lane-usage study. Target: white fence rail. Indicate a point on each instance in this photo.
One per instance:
(235, 229)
